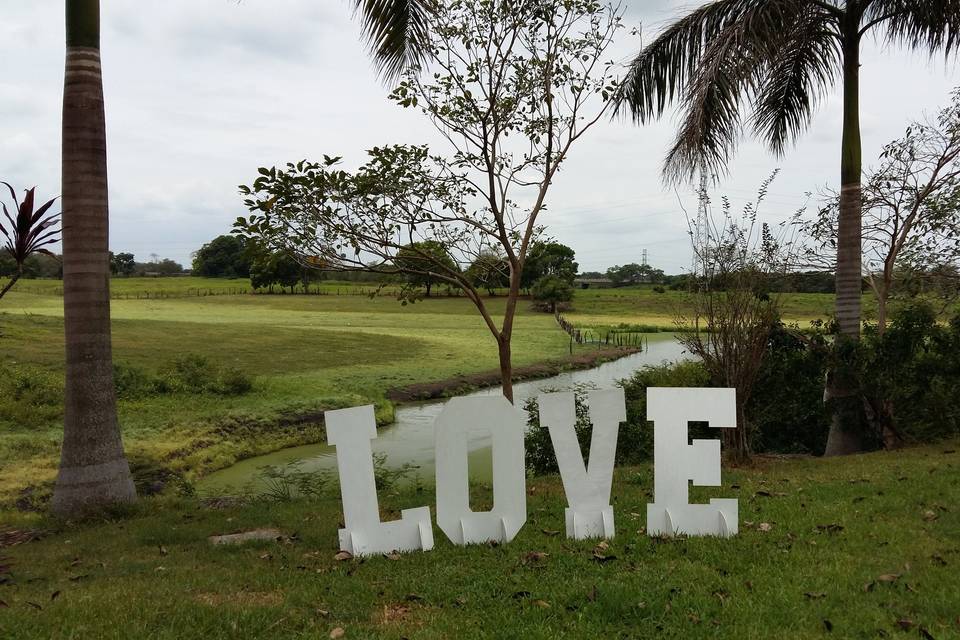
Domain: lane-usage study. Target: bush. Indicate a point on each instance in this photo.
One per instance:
(30, 396)
(540, 458)
(786, 410)
(911, 373)
(188, 374)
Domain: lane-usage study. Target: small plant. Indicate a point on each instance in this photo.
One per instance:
(29, 233)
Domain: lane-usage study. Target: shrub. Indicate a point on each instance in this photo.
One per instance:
(30, 396)
(911, 373)
(786, 409)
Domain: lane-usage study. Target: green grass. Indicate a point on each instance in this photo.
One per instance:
(642, 308)
(305, 353)
(836, 527)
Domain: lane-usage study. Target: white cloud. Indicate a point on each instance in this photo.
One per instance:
(201, 92)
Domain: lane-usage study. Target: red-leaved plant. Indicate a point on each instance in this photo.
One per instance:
(28, 233)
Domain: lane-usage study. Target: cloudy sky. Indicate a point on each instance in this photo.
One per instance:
(200, 93)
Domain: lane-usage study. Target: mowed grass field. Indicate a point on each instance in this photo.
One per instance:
(305, 354)
(862, 547)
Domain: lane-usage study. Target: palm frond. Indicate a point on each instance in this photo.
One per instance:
(397, 32)
(659, 73)
(932, 25)
(802, 72)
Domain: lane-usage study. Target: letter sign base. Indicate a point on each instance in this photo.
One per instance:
(394, 536)
(719, 518)
(589, 524)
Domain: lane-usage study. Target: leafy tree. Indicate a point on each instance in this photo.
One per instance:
(512, 90)
(634, 273)
(418, 259)
(93, 468)
(26, 232)
(549, 259)
(489, 272)
(552, 290)
(223, 257)
(122, 264)
(782, 57)
(278, 269)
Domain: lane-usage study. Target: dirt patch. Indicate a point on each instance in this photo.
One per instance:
(464, 384)
(241, 599)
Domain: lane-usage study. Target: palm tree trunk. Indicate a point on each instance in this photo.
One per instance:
(93, 469)
(845, 430)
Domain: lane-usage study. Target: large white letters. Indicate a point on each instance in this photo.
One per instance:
(454, 516)
(587, 485)
(677, 462)
(350, 431)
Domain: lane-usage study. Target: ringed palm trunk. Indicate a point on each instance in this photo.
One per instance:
(846, 434)
(93, 469)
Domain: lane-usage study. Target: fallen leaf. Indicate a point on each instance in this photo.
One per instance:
(4, 605)
(815, 595)
(938, 559)
(163, 550)
(830, 528)
(592, 596)
(413, 597)
(323, 613)
(602, 559)
(549, 532)
(337, 632)
(543, 604)
(925, 634)
(870, 586)
(888, 577)
(54, 596)
(930, 516)
(534, 557)
(827, 625)
(35, 605)
(517, 595)
(266, 556)
(392, 556)
(343, 555)
(905, 624)
(79, 577)
(764, 527)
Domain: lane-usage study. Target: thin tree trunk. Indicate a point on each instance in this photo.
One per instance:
(506, 367)
(93, 469)
(13, 281)
(846, 434)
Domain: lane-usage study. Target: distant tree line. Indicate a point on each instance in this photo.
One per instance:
(125, 265)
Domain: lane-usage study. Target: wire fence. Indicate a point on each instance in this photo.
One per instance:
(601, 338)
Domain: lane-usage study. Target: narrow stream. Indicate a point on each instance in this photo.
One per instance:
(410, 438)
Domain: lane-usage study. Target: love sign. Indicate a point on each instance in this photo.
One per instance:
(587, 484)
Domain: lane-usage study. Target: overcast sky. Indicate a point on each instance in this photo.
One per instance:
(200, 93)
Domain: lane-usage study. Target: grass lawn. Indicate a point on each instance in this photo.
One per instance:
(861, 547)
(305, 353)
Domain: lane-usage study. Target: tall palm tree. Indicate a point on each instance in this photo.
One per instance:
(782, 57)
(93, 468)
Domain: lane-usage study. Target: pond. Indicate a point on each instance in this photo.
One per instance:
(410, 438)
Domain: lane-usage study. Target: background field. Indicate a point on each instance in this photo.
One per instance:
(306, 353)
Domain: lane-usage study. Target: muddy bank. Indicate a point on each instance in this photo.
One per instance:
(460, 385)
